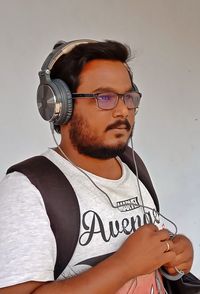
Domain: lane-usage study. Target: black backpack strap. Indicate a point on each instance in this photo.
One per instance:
(61, 205)
(127, 157)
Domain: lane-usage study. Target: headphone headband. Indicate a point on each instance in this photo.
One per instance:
(64, 48)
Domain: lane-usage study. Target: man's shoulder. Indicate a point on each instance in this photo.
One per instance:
(32, 165)
(13, 182)
(18, 195)
(17, 186)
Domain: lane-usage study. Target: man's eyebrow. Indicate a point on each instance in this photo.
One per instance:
(109, 89)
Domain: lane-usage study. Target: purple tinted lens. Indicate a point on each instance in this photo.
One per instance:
(107, 100)
(132, 100)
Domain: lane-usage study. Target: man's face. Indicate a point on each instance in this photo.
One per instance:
(96, 132)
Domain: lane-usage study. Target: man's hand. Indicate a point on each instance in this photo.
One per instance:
(145, 251)
(184, 255)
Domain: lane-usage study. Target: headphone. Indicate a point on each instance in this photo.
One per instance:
(54, 98)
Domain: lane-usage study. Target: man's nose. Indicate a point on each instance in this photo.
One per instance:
(120, 110)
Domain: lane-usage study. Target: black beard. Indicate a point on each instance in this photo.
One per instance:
(87, 144)
(100, 152)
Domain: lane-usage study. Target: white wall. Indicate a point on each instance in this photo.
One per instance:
(166, 41)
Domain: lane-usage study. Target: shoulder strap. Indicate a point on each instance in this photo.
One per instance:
(143, 174)
(58, 196)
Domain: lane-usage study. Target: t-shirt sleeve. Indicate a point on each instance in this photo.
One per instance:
(27, 243)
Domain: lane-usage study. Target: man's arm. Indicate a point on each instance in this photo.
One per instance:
(142, 253)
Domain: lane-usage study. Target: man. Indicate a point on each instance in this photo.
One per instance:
(93, 136)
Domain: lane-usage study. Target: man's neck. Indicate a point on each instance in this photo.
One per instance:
(105, 168)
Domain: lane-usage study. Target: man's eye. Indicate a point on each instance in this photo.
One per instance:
(105, 97)
(128, 96)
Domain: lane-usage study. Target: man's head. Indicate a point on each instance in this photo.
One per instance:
(69, 66)
(93, 68)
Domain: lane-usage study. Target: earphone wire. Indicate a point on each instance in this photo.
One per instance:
(138, 184)
(137, 174)
(77, 167)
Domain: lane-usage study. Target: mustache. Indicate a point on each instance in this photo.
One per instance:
(119, 123)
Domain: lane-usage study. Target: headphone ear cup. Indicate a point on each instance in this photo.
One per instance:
(64, 97)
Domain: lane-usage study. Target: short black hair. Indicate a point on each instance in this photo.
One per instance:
(69, 66)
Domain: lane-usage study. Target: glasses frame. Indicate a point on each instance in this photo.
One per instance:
(95, 95)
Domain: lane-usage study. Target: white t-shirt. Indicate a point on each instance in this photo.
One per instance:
(28, 246)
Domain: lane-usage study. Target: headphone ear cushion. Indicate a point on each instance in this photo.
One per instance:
(65, 98)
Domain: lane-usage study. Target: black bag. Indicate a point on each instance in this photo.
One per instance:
(188, 284)
(50, 181)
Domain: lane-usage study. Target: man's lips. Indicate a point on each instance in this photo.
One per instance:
(119, 125)
(122, 127)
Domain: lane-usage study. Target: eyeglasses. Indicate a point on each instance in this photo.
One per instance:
(109, 100)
